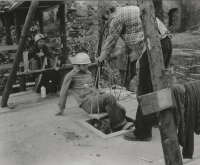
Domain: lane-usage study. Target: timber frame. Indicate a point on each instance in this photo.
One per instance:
(19, 14)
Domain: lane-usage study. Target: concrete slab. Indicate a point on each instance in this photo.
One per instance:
(32, 135)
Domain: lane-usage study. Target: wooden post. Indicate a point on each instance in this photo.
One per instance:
(7, 29)
(63, 34)
(167, 127)
(22, 80)
(41, 23)
(22, 42)
(17, 26)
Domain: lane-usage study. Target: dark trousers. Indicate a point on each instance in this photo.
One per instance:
(143, 127)
(107, 103)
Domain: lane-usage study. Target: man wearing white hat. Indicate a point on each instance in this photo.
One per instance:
(79, 80)
(36, 57)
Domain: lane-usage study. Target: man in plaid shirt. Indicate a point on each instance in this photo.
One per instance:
(125, 22)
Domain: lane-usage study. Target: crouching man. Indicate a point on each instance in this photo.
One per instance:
(79, 80)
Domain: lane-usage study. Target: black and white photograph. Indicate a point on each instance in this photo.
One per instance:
(100, 82)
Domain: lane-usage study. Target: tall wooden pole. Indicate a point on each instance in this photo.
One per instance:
(22, 42)
(22, 80)
(7, 29)
(41, 23)
(63, 34)
(17, 26)
(167, 127)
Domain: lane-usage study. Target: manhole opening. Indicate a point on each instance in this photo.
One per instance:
(103, 124)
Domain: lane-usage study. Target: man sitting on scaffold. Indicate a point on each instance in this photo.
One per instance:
(79, 80)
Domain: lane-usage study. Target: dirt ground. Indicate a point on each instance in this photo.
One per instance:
(185, 40)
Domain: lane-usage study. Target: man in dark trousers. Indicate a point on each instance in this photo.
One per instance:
(80, 82)
(125, 22)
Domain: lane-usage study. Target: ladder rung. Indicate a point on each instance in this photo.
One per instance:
(99, 116)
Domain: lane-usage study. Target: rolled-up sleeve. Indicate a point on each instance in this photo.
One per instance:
(115, 29)
(64, 91)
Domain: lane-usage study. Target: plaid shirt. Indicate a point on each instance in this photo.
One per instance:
(126, 23)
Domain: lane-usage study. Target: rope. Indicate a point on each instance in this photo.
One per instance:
(97, 76)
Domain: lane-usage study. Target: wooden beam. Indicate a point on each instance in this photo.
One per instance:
(156, 101)
(22, 80)
(48, 70)
(7, 29)
(41, 23)
(15, 6)
(8, 47)
(28, 22)
(6, 66)
(50, 8)
(171, 149)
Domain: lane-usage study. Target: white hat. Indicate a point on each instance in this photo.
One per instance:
(80, 58)
(39, 36)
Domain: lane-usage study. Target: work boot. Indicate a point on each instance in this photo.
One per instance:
(131, 137)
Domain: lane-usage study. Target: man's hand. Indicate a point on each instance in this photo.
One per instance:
(100, 63)
(59, 113)
(40, 54)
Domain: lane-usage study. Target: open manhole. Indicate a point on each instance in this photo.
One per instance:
(102, 127)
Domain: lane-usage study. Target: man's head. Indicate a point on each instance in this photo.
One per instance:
(39, 40)
(106, 8)
(82, 61)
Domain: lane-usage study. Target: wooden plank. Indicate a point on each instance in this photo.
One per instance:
(101, 134)
(156, 101)
(99, 116)
(8, 47)
(15, 6)
(27, 84)
(6, 66)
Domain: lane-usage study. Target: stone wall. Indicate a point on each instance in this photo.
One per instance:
(180, 15)
(172, 13)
